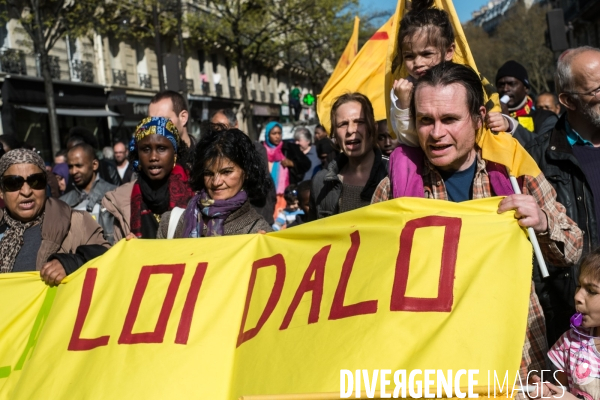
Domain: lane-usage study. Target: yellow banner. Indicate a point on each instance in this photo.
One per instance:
(404, 285)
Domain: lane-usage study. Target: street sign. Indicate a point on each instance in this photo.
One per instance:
(309, 99)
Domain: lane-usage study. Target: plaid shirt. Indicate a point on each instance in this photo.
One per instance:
(561, 244)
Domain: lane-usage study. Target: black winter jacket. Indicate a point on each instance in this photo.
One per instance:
(327, 187)
(543, 122)
(555, 158)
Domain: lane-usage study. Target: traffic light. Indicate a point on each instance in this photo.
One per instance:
(308, 99)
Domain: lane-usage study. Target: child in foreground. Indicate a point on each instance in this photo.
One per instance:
(576, 355)
(426, 39)
(289, 213)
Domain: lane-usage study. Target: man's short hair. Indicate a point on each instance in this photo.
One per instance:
(179, 103)
(449, 73)
(61, 153)
(87, 149)
(554, 96)
(120, 142)
(564, 75)
(304, 132)
(381, 125)
(321, 127)
(228, 113)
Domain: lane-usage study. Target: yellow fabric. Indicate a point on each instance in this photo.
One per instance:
(365, 74)
(527, 123)
(506, 150)
(483, 329)
(348, 55)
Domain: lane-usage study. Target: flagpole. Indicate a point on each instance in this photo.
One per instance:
(532, 238)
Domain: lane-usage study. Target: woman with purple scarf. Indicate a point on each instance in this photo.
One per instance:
(228, 172)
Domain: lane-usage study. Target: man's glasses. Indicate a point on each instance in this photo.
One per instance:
(595, 93)
(12, 183)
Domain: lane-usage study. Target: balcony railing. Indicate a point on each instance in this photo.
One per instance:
(263, 96)
(219, 90)
(13, 61)
(119, 77)
(82, 71)
(205, 88)
(189, 83)
(272, 97)
(232, 92)
(253, 95)
(54, 63)
(145, 81)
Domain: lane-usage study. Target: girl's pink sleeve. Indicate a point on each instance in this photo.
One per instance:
(559, 353)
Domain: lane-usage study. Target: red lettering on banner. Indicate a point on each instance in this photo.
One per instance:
(156, 336)
(445, 299)
(279, 262)
(338, 309)
(77, 343)
(185, 323)
(316, 268)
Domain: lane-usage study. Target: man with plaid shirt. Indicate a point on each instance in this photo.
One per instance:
(448, 110)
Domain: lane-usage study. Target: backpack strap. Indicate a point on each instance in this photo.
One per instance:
(176, 213)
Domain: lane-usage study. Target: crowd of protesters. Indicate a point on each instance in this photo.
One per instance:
(166, 184)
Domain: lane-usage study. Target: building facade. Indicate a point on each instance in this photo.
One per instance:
(492, 13)
(582, 21)
(106, 85)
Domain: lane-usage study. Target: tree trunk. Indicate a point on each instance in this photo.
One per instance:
(182, 58)
(40, 45)
(247, 111)
(157, 47)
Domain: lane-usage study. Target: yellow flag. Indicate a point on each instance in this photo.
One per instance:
(347, 56)
(504, 149)
(408, 284)
(366, 74)
(500, 148)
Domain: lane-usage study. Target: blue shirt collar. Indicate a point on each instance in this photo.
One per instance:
(574, 138)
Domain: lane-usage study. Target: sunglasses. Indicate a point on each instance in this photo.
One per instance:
(12, 183)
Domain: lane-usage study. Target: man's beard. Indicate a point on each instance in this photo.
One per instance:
(590, 115)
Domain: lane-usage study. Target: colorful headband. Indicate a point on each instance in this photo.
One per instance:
(153, 126)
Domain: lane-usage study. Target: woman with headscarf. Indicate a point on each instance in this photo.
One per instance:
(287, 163)
(39, 233)
(61, 172)
(228, 173)
(159, 156)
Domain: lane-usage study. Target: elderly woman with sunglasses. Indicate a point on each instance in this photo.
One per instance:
(39, 233)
